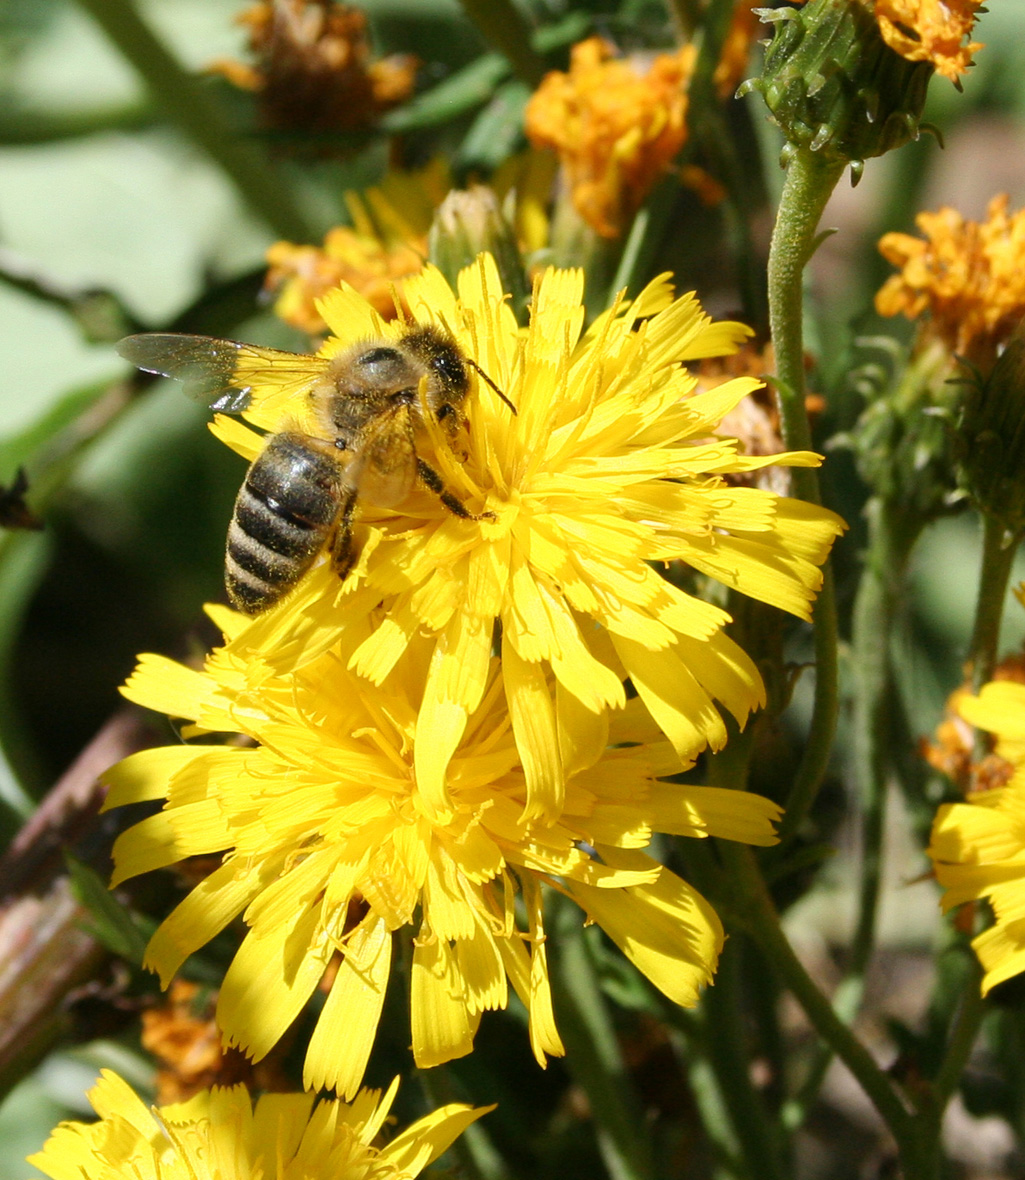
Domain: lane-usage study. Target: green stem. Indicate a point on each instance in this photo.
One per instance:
(998, 551)
(965, 1030)
(722, 1004)
(189, 103)
(723, 1007)
(593, 1056)
(815, 758)
(502, 25)
(891, 538)
(809, 183)
(762, 922)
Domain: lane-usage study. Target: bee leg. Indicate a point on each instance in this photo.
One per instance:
(432, 481)
(343, 551)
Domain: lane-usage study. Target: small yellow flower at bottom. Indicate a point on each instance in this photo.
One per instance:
(220, 1134)
(331, 848)
(978, 847)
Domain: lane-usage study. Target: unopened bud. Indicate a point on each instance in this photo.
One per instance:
(469, 223)
(834, 86)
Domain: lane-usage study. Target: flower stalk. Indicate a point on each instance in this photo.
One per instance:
(998, 553)
(594, 1057)
(762, 922)
(891, 538)
(809, 184)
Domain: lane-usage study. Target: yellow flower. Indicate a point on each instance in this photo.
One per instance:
(978, 847)
(331, 845)
(610, 464)
(931, 30)
(220, 1135)
(968, 276)
(615, 124)
(386, 242)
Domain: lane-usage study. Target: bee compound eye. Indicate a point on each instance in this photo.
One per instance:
(449, 367)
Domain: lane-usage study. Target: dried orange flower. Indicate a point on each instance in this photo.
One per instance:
(615, 124)
(754, 421)
(183, 1036)
(969, 276)
(313, 70)
(953, 751)
(931, 30)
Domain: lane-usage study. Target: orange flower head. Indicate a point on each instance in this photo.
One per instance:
(931, 30)
(615, 126)
(969, 276)
(386, 242)
(736, 50)
(302, 275)
(184, 1038)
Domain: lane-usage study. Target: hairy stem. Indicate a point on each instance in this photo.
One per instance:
(810, 181)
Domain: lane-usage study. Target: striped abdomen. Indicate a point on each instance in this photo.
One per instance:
(283, 513)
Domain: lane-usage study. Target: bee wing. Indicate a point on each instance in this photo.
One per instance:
(219, 373)
(385, 467)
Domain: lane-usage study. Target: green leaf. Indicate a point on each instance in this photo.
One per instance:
(464, 90)
(497, 132)
(113, 925)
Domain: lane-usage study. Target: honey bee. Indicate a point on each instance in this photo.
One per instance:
(302, 490)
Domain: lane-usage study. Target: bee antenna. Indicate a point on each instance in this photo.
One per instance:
(480, 373)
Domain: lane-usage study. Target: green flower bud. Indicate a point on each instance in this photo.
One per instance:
(992, 437)
(471, 223)
(904, 440)
(834, 86)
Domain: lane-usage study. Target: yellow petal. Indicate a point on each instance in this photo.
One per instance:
(684, 810)
(235, 434)
(422, 1143)
(268, 983)
(213, 903)
(144, 776)
(443, 1027)
(340, 1046)
(455, 685)
(537, 739)
(167, 687)
(583, 733)
(682, 708)
(544, 1036)
(667, 930)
